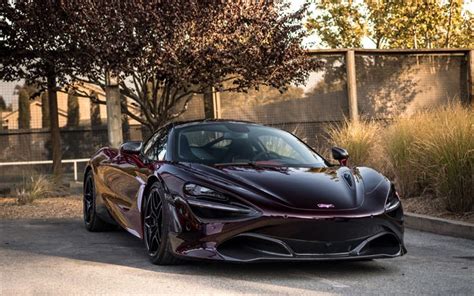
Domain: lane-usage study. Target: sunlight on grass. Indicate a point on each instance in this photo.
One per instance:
(431, 151)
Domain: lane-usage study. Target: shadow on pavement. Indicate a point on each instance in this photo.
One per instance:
(69, 239)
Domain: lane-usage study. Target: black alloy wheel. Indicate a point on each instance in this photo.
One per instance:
(155, 227)
(91, 220)
(88, 199)
(153, 222)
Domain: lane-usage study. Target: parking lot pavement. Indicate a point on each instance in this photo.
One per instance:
(60, 257)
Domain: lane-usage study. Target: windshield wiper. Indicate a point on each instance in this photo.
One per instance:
(247, 163)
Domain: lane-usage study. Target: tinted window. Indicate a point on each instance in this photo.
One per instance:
(155, 148)
(219, 143)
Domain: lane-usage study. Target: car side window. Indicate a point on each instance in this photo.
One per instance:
(155, 148)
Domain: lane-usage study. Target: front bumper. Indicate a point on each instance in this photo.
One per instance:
(282, 237)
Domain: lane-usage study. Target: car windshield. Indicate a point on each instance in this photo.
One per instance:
(229, 143)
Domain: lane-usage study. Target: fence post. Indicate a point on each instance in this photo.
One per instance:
(217, 103)
(114, 112)
(75, 170)
(351, 85)
(212, 103)
(470, 66)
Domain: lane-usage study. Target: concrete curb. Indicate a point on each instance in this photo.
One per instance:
(439, 225)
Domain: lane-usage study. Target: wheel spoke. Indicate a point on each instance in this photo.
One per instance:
(152, 220)
(88, 199)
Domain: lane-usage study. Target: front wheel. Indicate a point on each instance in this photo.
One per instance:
(155, 228)
(91, 220)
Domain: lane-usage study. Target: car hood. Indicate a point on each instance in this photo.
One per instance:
(328, 188)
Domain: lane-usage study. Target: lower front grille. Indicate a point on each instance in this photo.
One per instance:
(301, 247)
(323, 230)
(248, 247)
(384, 244)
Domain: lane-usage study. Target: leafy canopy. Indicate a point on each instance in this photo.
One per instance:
(164, 54)
(393, 24)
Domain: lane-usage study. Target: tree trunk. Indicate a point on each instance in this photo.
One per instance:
(125, 124)
(96, 120)
(208, 103)
(23, 109)
(45, 118)
(72, 109)
(54, 126)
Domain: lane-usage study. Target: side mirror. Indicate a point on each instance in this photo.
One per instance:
(132, 147)
(340, 155)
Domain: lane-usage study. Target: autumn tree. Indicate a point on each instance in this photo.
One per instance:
(393, 24)
(36, 45)
(164, 54)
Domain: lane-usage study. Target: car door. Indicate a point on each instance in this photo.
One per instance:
(130, 173)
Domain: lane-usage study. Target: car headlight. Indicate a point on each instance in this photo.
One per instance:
(393, 200)
(201, 191)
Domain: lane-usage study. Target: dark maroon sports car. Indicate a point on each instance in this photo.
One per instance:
(241, 192)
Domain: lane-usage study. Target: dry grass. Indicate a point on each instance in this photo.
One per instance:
(445, 155)
(431, 152)
(400, 140)
(361, 139)
(38, 186)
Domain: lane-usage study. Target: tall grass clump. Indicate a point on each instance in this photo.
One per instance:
(362, 141)
(434, 150)
(400, 142)
(35, 187)
(446, 155)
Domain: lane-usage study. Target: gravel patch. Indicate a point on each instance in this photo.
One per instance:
(431, 206)
(52, 207)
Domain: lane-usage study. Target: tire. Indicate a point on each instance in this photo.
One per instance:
(92, 221)
(155, 227)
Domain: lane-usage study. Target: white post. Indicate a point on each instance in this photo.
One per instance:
(216, 103)
(351, 85)
(75, 170)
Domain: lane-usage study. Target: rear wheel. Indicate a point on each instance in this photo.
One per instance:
(92, 222)
(155, 228)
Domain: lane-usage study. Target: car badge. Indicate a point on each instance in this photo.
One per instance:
(325, 206)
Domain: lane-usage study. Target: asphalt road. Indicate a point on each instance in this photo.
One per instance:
(60, 257)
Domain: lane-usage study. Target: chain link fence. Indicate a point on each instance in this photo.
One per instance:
(389, 84)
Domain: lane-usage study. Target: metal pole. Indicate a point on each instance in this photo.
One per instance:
(114, 112)
(351, 85)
